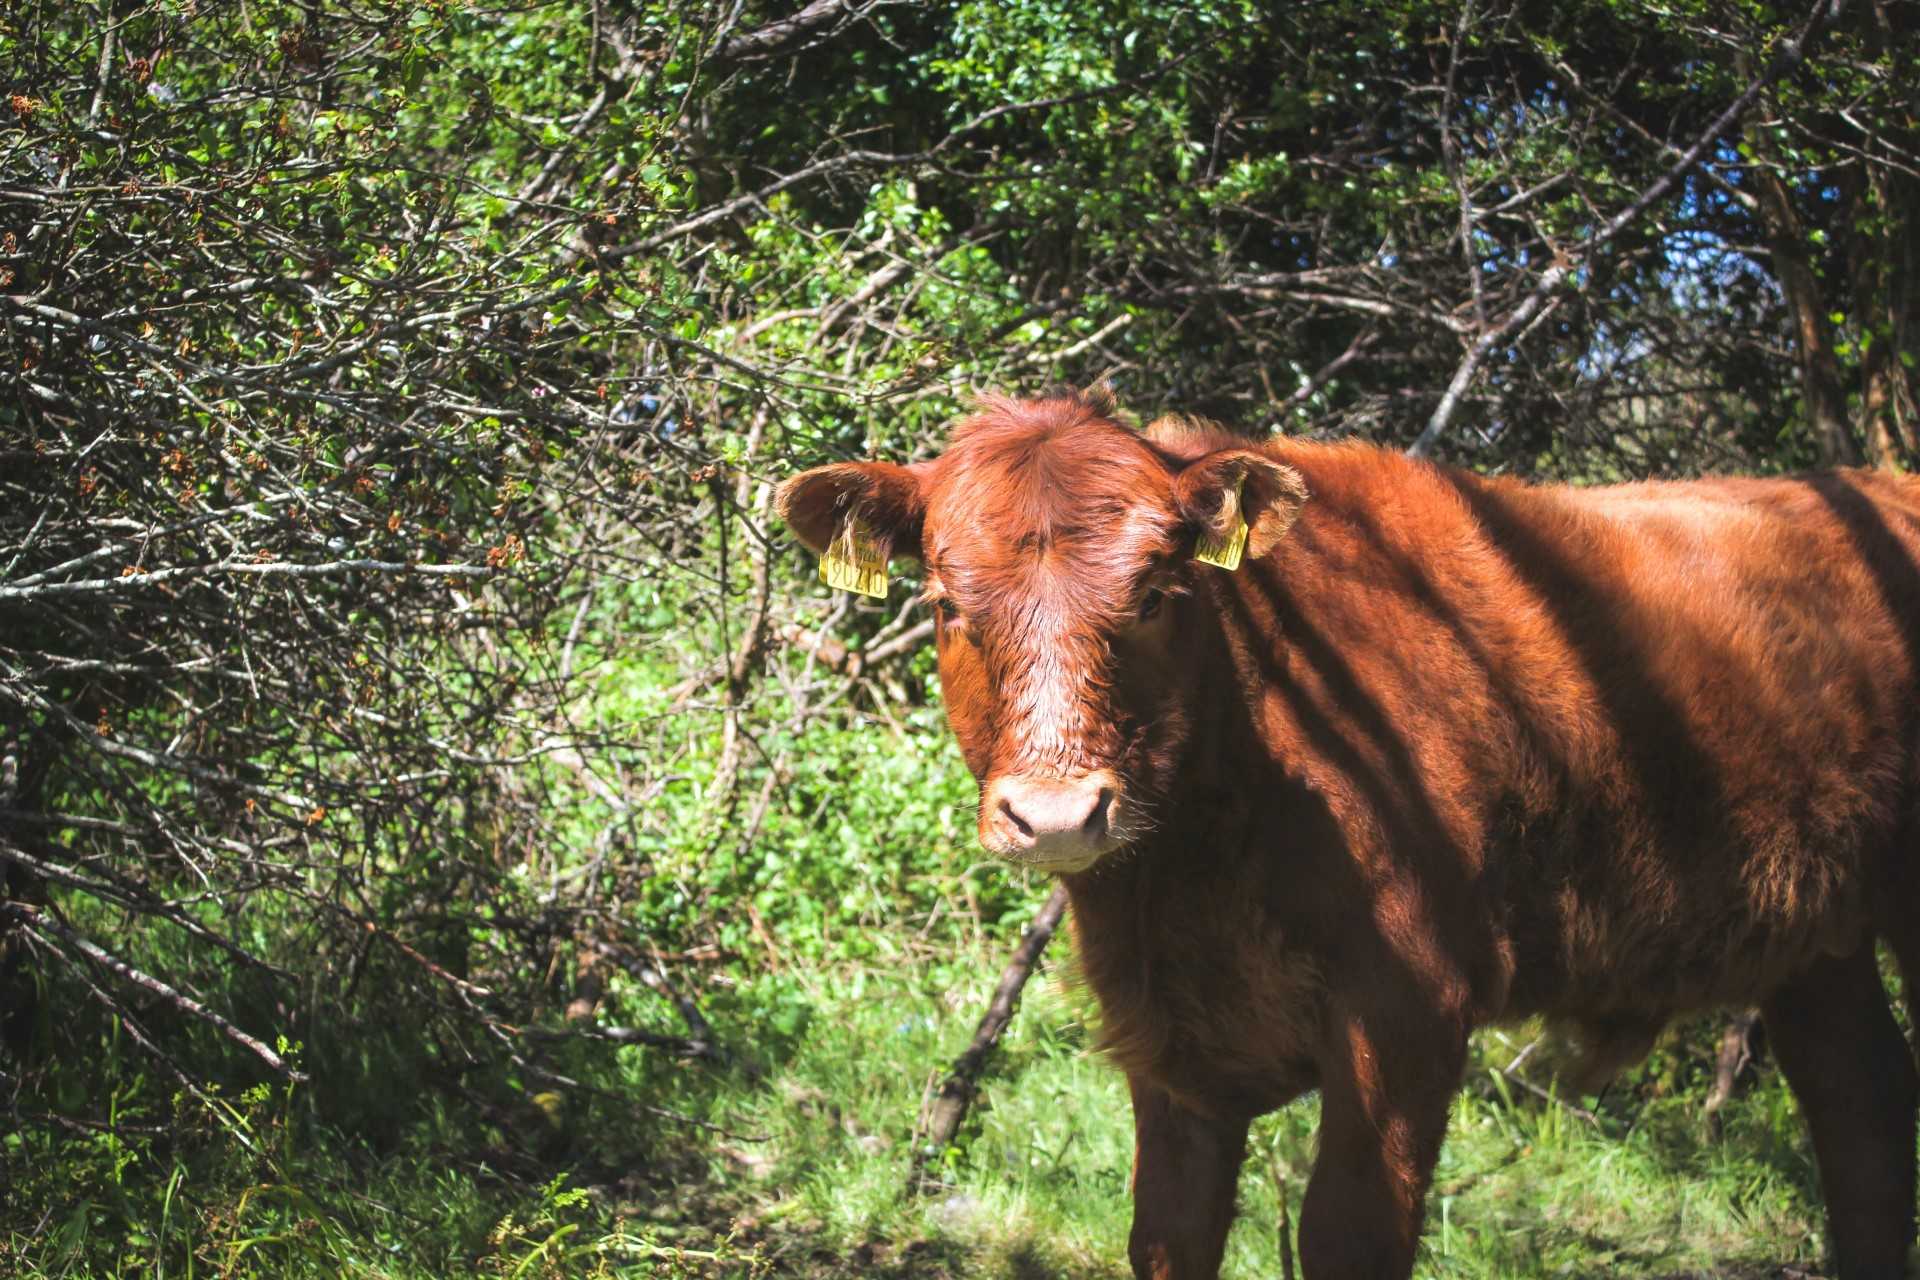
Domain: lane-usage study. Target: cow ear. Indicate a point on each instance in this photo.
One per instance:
(885, 498)
(1217, 492)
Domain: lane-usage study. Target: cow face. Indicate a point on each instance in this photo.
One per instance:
(1058, 552)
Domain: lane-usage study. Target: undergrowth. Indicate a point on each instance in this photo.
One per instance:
(790, 1159)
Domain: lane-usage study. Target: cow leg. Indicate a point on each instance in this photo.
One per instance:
(1835, 1038)
(1384, 1095)
(1185, 1167)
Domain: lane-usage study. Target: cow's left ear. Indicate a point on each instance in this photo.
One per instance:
(1216, 492)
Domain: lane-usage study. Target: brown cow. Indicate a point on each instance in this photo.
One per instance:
(1443, 750)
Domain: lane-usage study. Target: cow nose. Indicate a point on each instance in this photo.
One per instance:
(1054, 822)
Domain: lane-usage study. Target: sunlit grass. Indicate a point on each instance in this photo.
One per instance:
(1527, 1187)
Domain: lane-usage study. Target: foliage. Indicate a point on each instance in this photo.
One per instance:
(413, 726)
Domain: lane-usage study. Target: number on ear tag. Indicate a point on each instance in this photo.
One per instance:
(1226, 552)
(855, 562)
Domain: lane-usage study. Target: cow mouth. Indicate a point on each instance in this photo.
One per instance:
(1064, 864)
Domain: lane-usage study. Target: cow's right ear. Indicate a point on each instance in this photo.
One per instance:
(885, 498)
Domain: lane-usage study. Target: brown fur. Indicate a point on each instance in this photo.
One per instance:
(1446, 750)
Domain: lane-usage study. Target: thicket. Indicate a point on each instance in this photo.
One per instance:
(406, 699)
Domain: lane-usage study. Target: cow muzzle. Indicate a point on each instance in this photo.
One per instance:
(1058, 824)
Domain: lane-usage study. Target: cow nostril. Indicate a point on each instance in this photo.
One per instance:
(1020, 824)
(1097, 820)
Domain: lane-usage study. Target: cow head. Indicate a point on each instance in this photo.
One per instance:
(1058, 549)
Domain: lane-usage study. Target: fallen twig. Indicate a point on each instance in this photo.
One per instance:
(1286, 1217)
(1511, 1074)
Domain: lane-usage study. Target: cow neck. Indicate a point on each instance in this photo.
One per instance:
(1211, 804)
(1139, 918)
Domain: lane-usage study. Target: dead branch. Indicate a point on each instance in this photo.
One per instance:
(679, 1046)
(780, 37)
(942, 1119)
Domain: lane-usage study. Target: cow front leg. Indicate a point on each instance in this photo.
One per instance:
(1185, 1167)
(1385, 1090)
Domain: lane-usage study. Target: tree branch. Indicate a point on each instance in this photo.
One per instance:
(1792, 54)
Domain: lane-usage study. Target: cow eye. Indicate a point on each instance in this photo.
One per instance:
(1151, 602)
(945, 607)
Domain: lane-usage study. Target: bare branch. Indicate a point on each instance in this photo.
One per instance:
(41, 923)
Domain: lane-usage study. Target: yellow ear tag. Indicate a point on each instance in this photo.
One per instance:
(854, 562)
(1226, 552)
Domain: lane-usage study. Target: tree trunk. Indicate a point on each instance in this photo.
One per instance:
(1886, 269)
(1821, 387)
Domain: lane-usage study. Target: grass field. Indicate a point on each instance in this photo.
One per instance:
(793, 1164)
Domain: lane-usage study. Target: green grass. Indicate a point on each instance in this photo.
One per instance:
(800, 1172)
